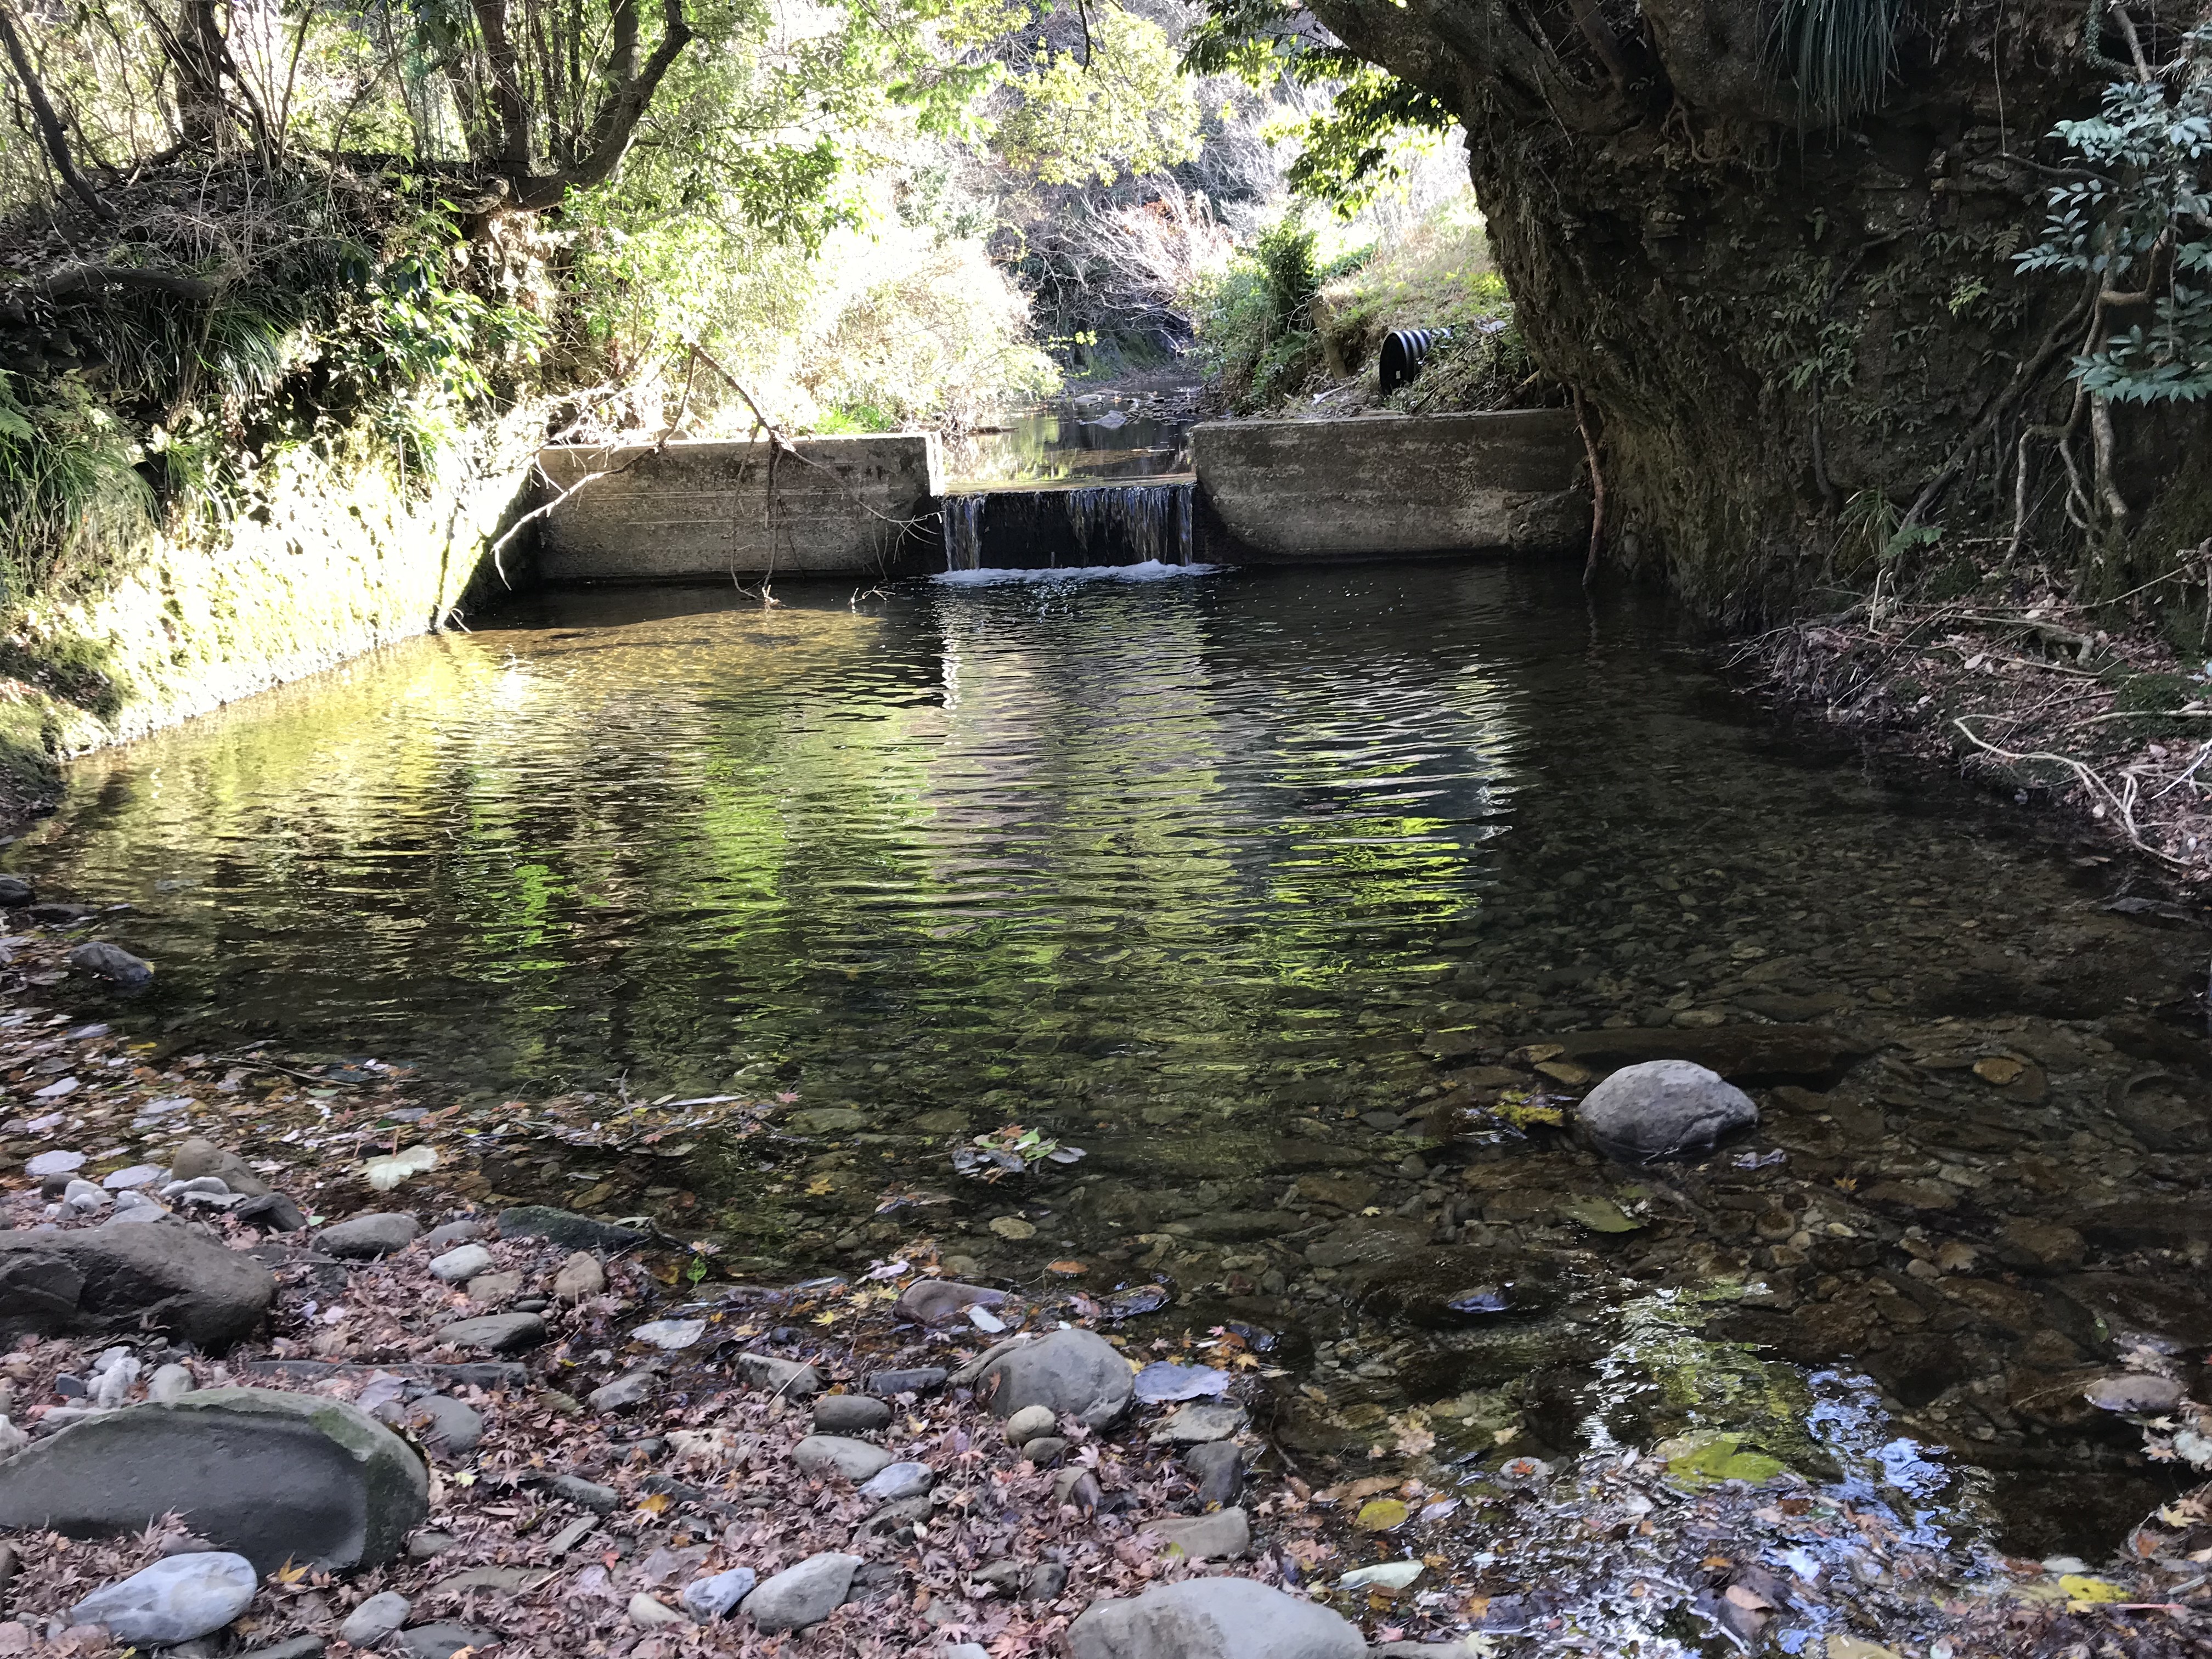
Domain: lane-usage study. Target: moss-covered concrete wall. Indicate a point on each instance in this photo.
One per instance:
(328, 560)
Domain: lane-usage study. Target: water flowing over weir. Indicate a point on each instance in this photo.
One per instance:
(1154, 522)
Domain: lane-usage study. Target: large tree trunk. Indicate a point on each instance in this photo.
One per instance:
(1770, 315)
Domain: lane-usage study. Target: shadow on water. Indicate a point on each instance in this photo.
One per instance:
(1293, 898)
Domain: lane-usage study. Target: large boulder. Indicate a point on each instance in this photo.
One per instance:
(275, 1477)
(126, 1281)
(1212, 1618)
(1070, 1373)
(1663, 1109)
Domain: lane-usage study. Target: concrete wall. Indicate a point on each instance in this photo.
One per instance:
(1292, 491)
(702, 508)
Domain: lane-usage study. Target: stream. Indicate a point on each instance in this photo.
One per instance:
(1304, 903)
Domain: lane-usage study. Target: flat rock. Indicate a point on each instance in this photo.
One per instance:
(367, 1236)
(1196, 1424)
(446, 1234)
(1070, 1373)
(495, 1332)
(919, 1380)
(127, 1280)
(717, 1594)
(300, 1647)
(441, 1641)
(588, 1494)
(895, 1482)
(828, 1454)
(804, 1594)
(1224, 1535)
(631, 1389)
(446, 1425)
(1212, 1618)
(199, 1157)
(567, 1229)
(945, 1301)
(177, 1600)
(785, 1376)
(492, 1288)
(274, 1477)
(581, 1276)
(376, 1618)
(850, 1413)
(1663, 1109)
(461, 1263)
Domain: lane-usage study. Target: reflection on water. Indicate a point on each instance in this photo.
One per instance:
(1092, 435)
(1241, 882)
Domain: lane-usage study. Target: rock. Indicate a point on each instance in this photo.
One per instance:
(1046, 1580)
(459, 1264)
(446, 1234)
(2040, 1246)
(169, 1382)
(964, 1651)
(495, 1332)
(127, 1280)
(199, 1158)
(893, 1516)
(625, 1391)
(945, 1301)
(850, 1413)
(112, 965)
(273, 1476)
(587, 1494)
(490, 1288)
(1029, 1423)
(274, 1212)
(1044, 1449)
(1212, 1618)
(1455, 1287)
(444, 1424)
(1663, 1109)
(567, 1229)
(1196, 1424)
(300, 1647)
(715, 1596)
(178, 1599)
(581, 1276)
(441, 1641)
(644, 1610)
(804, 1594)
(367, 1236)
(15, 892)
(426, 1545)
(1217, 1469)
(376, 1618)
(1224, 1535)
(138, 1175)
(784, 1376)
(895, 1482)
(919, 1380)
(672, 1335)
(2135, 1391)
(828, 1454)
(1070, 1373)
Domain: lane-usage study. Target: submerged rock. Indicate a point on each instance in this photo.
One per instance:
(1663, 1109)
(567, 1229)
(179, 1600)
(1212, 1618)
(127, 1280)
(112, 965)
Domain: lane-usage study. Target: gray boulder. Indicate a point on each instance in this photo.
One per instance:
(495, 1332)
(1070, 1373)
(275, 1477)
(804, 1594)
(179, 1600)
(1663, 1109)
(830, 1454)
(112, 965)
(567, 1229)
(367, 1235)
(850, 1413)
(127, 1280)
(1212, 1618)
(376, 1618)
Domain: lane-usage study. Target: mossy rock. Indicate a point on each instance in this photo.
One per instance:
(1705, 1459)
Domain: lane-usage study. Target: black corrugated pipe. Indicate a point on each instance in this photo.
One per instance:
(1404, 349)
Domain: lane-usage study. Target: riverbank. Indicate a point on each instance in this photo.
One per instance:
(611, 1426)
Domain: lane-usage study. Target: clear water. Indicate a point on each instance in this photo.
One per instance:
(1203, 874)
(1091, 436)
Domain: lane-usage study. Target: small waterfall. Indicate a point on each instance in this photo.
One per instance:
(963, 531)
(1133, 523)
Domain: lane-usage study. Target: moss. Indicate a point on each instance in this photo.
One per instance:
(2153, 699)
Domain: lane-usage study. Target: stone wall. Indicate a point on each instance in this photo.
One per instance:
(859, 506)
(1374, 486)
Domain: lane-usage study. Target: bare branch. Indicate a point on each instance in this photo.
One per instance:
(50, 131)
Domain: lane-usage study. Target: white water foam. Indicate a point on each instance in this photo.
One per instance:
(1151, 570)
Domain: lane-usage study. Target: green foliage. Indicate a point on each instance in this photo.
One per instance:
(2140, 217)
(68, 477)
(1875, 535)
(1255, 331)
(1121, 108)
(1840, 55)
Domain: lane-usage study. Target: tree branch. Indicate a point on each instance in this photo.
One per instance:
(50, 131)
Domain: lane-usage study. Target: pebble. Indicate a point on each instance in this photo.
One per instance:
(716, 1596)
(896, 1480)
(376, 1618)
(463, 1262)
(174, 1601)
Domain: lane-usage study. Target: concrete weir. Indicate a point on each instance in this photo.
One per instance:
(1265, 492)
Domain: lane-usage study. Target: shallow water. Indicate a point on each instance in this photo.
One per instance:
(1094, 436)
(1245, 883)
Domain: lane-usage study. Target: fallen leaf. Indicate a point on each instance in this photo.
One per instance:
(1065, 1269)
(1381, 1515)
(1999, 1069)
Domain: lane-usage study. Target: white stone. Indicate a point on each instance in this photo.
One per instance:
(463, 1262)
(178, 1599)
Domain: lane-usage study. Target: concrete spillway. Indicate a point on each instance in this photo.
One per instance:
(1284, 492)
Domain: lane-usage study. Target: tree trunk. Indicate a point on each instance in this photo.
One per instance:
(1771, 313)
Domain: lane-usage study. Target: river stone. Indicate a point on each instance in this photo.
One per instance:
(47, 1164)
(199, 1158)
(299, 1647)
(804, 1594)
(919, 1379)
(463, 1262)
(1193, 1425)
(567, 1229)
(830, 1454)
(441, 1641)
(581, 1276)
(464, 1229)
(1027, 1424)
(1221, 1536)
(850, 1413)
(1663, 1109)
(896, 1480)
(1218, 1466)
(446, 1425)
(179, 1600)
(785, 1376)
(275, 1477)
(127, 1280)
(15, 891)
(495, 1332)
(367, 1236)
(944, 1301)
(1070, 1373)
(112, 965)
(632, 1388)
(712, 1597)
(376, 1618)
(1212, 1618)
